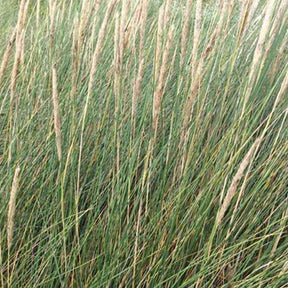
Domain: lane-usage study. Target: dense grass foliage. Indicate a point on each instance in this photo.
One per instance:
(143, 143)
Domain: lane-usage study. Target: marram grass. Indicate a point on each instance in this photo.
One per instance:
(153, 143)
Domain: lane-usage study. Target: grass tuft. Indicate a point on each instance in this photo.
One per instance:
(152, 141)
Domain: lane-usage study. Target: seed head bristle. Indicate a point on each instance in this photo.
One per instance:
(159, 42)
(234, 184)
(136, 88)
(158, 94)
(56, 113)
(185, 31)
(7, 54)
(12, 208)
(197, 31)
(259, 50)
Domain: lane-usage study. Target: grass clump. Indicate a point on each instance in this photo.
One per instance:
(152, 141)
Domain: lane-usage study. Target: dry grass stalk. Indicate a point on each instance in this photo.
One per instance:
(71, 6)
(231, 4)
(276, 24)
(38, 13)
(96, 56)
(217, 30)
(7, 54)
(251, 12)
(96, 7)
(117, 64)
(146, 174)
(197, 74)
(194, 88)
(280, 54)
(117, 81)
(92, 37)
(15, 67)
(158, 94)
(23, 31)
(24, 14)
(134, 25)
(88, 15)
(185, 30)
(197, 30)
(230, 7)
(20, 38)
(52, 10)
(75, 57)
(56, 113)
(195, 84)
(98, 48)
(136, 88)
(219, 4)
(32, 81)
(242, 189)
(91, 15)
(21, 17)
(278, 238)
(281, 93)
(259, 50)
(243, 18)
(234, 184)
(22, 56)
(19, 41)
(12, 208)
(93, 32)
(136, 252)
(281, 9)
(123, 21)
(284, 269)
(83, 19)
(144, 8)
(167, 12)
(159, 42)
